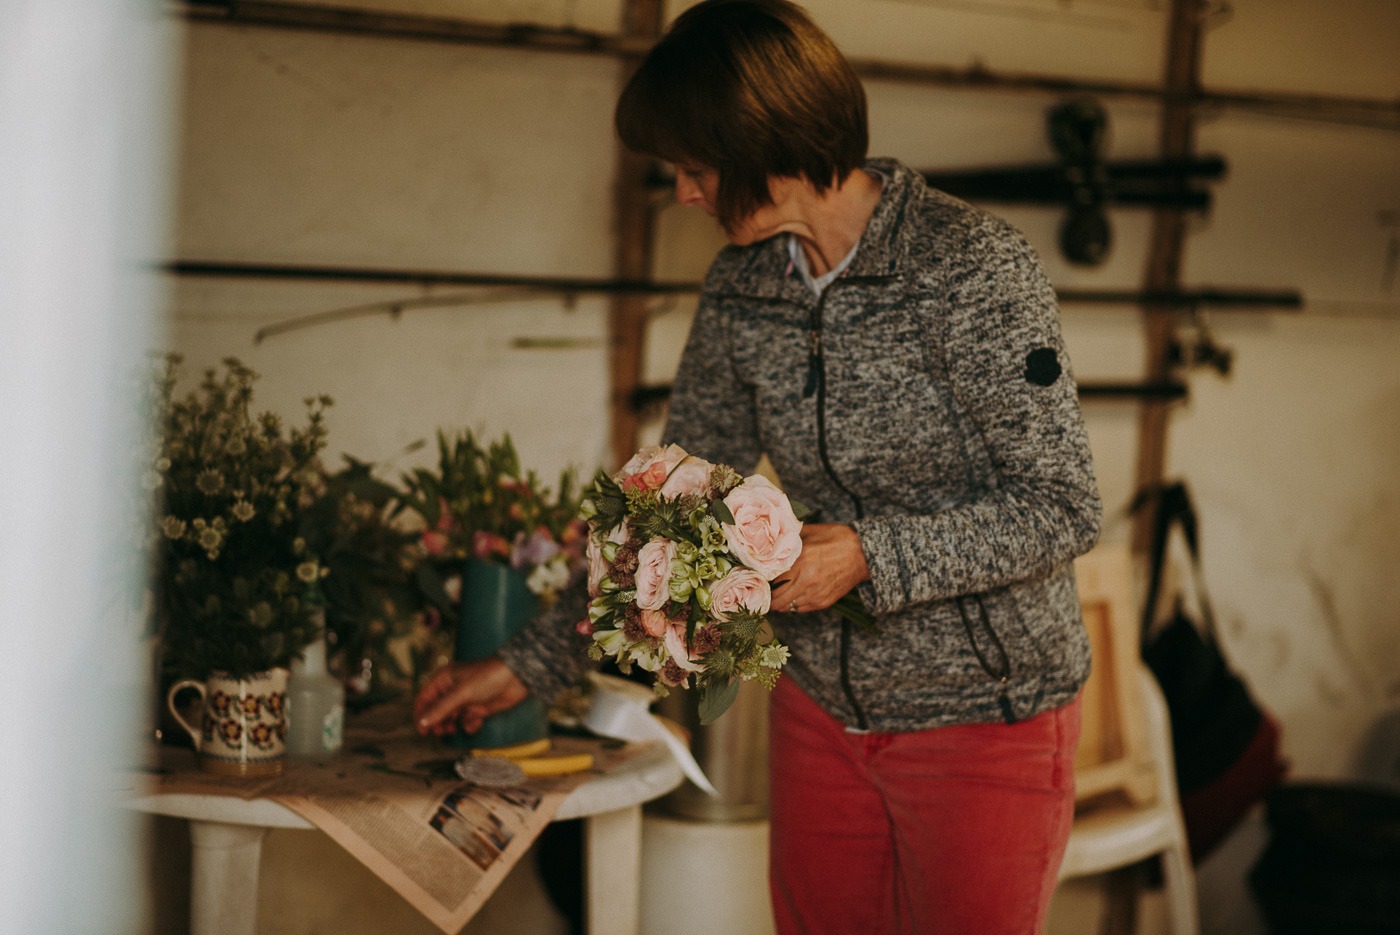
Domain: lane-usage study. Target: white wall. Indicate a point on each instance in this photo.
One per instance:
(311, 148)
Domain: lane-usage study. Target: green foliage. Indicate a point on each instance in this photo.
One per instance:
(235, 583)
(371, 594)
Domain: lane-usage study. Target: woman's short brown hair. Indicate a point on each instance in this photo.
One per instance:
(751, 89)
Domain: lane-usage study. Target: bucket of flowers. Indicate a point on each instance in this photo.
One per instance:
(497, 546)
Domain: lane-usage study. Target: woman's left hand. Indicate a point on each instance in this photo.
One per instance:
(831, 564)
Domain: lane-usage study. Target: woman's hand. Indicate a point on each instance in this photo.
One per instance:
(465, 694)
(831, 564)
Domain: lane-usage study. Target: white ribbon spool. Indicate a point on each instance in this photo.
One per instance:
(620, 710)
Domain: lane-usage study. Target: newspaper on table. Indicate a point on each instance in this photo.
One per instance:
(393, 800)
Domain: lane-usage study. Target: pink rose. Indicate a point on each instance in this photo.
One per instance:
(741, 589)
(675, 645)
(690, 476)
(649, 468)
(766, 535)
(655, 622)
(654, 574)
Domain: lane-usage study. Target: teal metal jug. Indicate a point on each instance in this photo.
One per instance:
(496, 604)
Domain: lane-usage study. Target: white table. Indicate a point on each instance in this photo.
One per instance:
(227, 834)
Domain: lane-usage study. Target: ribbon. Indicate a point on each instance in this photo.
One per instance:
(620, 710)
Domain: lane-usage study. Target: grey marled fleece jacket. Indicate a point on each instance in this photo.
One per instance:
(926, 400)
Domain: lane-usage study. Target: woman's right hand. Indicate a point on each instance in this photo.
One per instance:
(464, 694)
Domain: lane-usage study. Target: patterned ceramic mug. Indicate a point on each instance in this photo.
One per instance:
(243, 722)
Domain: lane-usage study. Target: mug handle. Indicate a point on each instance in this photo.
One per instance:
(195, 735)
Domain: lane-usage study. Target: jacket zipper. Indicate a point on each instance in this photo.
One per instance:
(1002, 672)
(816, 383)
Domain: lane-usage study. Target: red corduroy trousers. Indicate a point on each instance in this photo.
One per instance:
(952, 831)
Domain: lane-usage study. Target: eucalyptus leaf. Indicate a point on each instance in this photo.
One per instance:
(720, 510)
(716, 699)
(800, 509)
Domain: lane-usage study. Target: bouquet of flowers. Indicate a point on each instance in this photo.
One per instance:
(680, 556)
(479, 504)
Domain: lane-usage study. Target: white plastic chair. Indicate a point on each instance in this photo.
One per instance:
(1108, 836)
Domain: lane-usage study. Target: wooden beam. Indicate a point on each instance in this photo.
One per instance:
(414, 26)
(1377, 112)
(1168, 239)
(635, 219)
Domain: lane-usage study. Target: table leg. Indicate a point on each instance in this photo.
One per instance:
(224, 878)
(613, 865)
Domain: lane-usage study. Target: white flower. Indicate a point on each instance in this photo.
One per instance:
(173, 527)
(549, 577)
(210, 539)
(611, 641)
(308, 572)
(775, 656)
(209, 481)
(243, 511)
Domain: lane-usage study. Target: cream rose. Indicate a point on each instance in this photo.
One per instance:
(654, 574)
(690, 476)
(741, 589)
(765, 535)
(649, 468)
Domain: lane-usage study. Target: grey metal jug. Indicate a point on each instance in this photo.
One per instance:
(733, 752)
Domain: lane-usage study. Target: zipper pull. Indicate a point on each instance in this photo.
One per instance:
(1008, 713)
(814, 362)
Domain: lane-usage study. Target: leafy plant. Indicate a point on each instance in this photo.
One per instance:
(371, 595)
(479, 503)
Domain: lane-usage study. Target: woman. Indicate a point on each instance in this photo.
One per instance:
(897, 355)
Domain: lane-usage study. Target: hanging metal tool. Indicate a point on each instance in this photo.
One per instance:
(1086, 184)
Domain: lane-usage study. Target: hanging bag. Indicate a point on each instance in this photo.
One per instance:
(1226, 746)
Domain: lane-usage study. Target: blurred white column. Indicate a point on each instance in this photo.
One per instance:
(82, 172)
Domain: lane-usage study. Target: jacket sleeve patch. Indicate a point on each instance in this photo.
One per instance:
(1042, 366)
